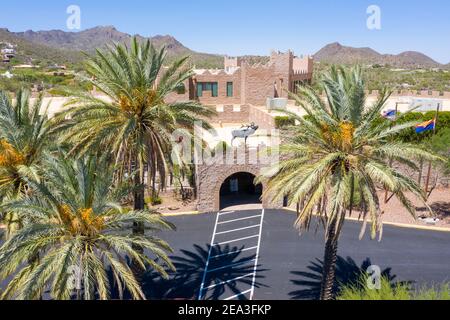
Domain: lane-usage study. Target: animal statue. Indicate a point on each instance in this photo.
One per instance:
(244, 132)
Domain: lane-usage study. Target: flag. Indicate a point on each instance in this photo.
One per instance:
(426, 126)
(390, 114)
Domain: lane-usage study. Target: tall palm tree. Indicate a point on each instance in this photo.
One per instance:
(24, 136)
(336, 155)
(78, 229)
(136, 122)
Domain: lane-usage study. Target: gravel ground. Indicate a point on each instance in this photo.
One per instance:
(439, 201)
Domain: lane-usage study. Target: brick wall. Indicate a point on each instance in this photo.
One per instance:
(262, 118)
(212, 176)
(259, 84)
(232, 114)
(221, 78)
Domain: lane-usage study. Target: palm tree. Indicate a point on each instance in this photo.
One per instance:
(79, 230)
(337, 157)
(136, 122)
(24, 136)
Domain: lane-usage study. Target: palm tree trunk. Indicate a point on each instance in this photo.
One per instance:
(138, 227)
(139, 202)
(329, 265)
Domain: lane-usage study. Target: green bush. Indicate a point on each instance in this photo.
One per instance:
(410, 135)
(283, 122)
(389, 291)
(153, 201)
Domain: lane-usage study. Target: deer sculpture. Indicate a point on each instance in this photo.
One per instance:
(244, 132)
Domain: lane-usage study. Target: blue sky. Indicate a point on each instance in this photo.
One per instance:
(238, 27)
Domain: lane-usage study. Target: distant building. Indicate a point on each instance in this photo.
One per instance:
(8, 53)
(24, 66)
(241, 83)
(7, 75)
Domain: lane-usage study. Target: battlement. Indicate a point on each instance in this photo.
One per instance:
(232, 62)
(414, 93)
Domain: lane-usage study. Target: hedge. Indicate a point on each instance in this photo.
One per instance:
(409, 135)
(283, 122)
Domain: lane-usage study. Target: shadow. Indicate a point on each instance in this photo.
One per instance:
(347, 272)
(440, 208)
(233, 200)
(240, 189)
(185, 283)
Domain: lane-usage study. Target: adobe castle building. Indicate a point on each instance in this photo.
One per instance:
(242, 83)
(241, 93)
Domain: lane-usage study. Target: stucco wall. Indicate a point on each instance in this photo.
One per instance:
(212, 176)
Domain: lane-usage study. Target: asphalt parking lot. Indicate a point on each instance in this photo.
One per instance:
(288, 265)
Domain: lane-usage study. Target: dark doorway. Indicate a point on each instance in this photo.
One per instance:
(239, 189)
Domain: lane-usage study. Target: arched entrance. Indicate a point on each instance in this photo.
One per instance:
(240, 189)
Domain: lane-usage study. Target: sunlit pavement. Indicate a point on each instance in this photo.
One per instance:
(287, 265)
(287, 262)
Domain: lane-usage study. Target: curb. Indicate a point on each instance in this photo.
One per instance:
(395, 224)
(187, 213)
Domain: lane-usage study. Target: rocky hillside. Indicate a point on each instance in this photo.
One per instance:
(36, 53)
(338, 54)
(99, 37)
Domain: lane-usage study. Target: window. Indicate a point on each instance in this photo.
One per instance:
(199, 89)
(229, 89)
(207, 86)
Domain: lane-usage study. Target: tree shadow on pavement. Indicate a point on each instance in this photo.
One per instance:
(185, 283)
(347, 272)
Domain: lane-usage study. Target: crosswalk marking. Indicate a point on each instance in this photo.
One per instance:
(239, 229)
(236, 240)
(214, 244)
(238, 295)
(233, 252)
(240, 219)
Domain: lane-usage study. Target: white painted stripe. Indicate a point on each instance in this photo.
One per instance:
(238, 295)
(257, 256)
(200, 294)
(239, 229)
(225, 213)
(231, 265)
(235, 240)
(232, 252)
(240, 219)
(228, 281)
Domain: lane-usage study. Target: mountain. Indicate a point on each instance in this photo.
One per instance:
(57, 46)
(37, 53)
(338, 54)
(99, 37)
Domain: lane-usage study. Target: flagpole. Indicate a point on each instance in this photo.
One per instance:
(427, 183)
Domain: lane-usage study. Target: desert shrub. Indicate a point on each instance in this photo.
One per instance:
(389, 291)
(283, 122)
(153, 200)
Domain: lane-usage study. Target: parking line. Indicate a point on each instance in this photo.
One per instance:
(239, 229)
(228, 281)
(238, 295)
(231, 265)
(257, 256)
(200, 294)
(235, 240)
(240, 219)
(226, 212)
(233, 252)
